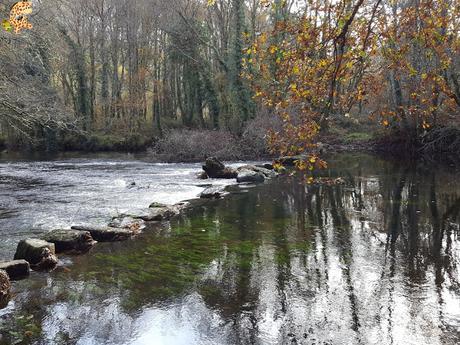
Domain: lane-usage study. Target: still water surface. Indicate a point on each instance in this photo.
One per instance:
(374, 261)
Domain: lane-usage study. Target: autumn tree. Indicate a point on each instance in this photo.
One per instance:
(314, 69)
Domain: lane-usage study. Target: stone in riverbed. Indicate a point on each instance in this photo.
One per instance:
(5, 289)
(106, 233)
(151, 214)
(38, 253)
(216, 169)
(70, 240)
(215, 192)
(16, 269)
(250, 176)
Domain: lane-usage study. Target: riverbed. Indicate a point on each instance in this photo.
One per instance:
(374, 260)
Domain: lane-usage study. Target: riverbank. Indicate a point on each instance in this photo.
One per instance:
(437, 146)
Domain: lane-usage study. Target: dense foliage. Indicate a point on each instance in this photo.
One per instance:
(396, 61)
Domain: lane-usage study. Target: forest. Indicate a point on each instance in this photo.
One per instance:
(232, 78)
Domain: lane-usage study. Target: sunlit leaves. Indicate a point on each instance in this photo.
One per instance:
(300, 72)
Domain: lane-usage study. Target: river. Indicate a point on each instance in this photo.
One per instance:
(373, 261)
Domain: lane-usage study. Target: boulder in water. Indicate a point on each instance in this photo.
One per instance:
(216, 169)
(40, 254)
(16, 269)
(106, 233)
(70, 240)
(250, 176)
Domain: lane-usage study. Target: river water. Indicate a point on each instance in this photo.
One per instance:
(373, 261)
(40, 195)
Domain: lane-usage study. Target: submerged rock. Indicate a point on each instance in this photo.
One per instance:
(250, 176)
(106, 233)
(216, 169)
(16, 269)
(5, 289)
(215, 192)
(40, 254)
(70, 240)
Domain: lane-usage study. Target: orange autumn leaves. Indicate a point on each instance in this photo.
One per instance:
(421, 47)
(300, 68)
(333, 58)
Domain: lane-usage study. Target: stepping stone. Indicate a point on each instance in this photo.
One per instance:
(151, 214)
(16, 269)
(70, 240)
(36, 252)
(106, 233)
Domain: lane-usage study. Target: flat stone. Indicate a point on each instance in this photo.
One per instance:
(250, 176)
(34, 251)
(106, 233)
(16, 269)
(70, 240)
(215, 192)
(151, 214)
